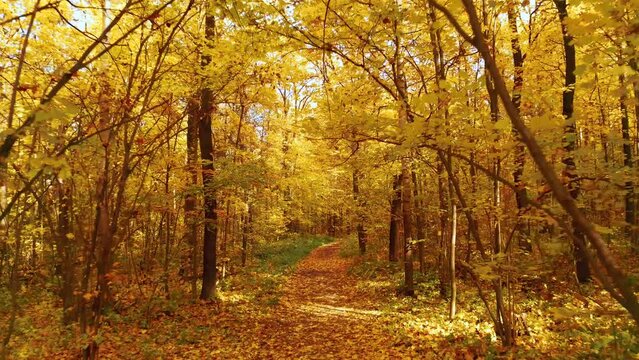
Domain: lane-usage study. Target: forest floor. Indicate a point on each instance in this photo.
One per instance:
(306, 298)
(319, 313)
(324, 314)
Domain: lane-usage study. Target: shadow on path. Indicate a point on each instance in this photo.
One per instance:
(322, 315)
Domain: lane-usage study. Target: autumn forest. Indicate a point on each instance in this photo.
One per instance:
(319, 179)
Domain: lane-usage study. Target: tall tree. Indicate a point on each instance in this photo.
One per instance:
(617, 283)
(395, 219)
(359, 205)
(190, 201)
(209, 262)
(520, 151)
(629, 197)
(582, 269)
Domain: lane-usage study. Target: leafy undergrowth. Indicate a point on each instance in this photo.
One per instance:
(155, 327)
(262, 281)
(563, 321)
(333, 304)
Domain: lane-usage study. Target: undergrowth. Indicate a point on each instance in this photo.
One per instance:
(281, 256)
(560, 326)
(155, 319)
(261, 281)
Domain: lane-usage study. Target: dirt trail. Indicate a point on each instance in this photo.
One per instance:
(322, 315)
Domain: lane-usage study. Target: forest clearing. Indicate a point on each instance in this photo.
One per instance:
(319, 179)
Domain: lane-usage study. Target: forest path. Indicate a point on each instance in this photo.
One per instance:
(320, 311)
(323, 315)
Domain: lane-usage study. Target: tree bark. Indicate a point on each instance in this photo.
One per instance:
(404, 118)
(520, 151)
(453, 276)
(395, 216)
(629, 198)
(66, 252)
(361, 230)
(419, 220)
(246, 227)
(443, 224)
(191, 216)
(582, 269)
(407, 217)
(209, 259)
(14, 288)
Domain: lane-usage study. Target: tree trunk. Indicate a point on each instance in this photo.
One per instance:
(66, 252)
(191, 216)
(582, 269)
(503, 326)
(14, 288)
(453, 279)
(444, 211)
(167, 226)
(395, 216)
(443, 224)
(523, 237)
(225, 234)
(246, 226)
(614, 280)
(361, 230)
(419, 220)
(404, 118)
(209, 259)
(602, 119)
(627, 162)
(103, 242)
(635, 89)
(407, 216)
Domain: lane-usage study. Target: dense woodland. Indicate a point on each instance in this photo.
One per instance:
(169, 162)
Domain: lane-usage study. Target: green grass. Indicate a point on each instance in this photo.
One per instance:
(262, 281)
(281, 256)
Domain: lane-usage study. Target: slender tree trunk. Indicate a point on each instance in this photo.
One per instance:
(167, 226)
(629, 197)
(419, 220)
(635, 89)
(453, 277)
(602, 119)
(520, 152)
(444, 211)
(635, 141)
(14, 288)
(102, 239)
(103, 243)
(361, 230)
(246, 227)
(66, 252)
(612, 277)
(395, 216)
(503, 325)
(209, 262)
(407, 193)
(227, 217)
(504, 329)
(452, 249)
(191, 216)
(443, 224)
(582, 269)
(407, 216)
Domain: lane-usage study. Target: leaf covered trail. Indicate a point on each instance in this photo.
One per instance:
(322, 314)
